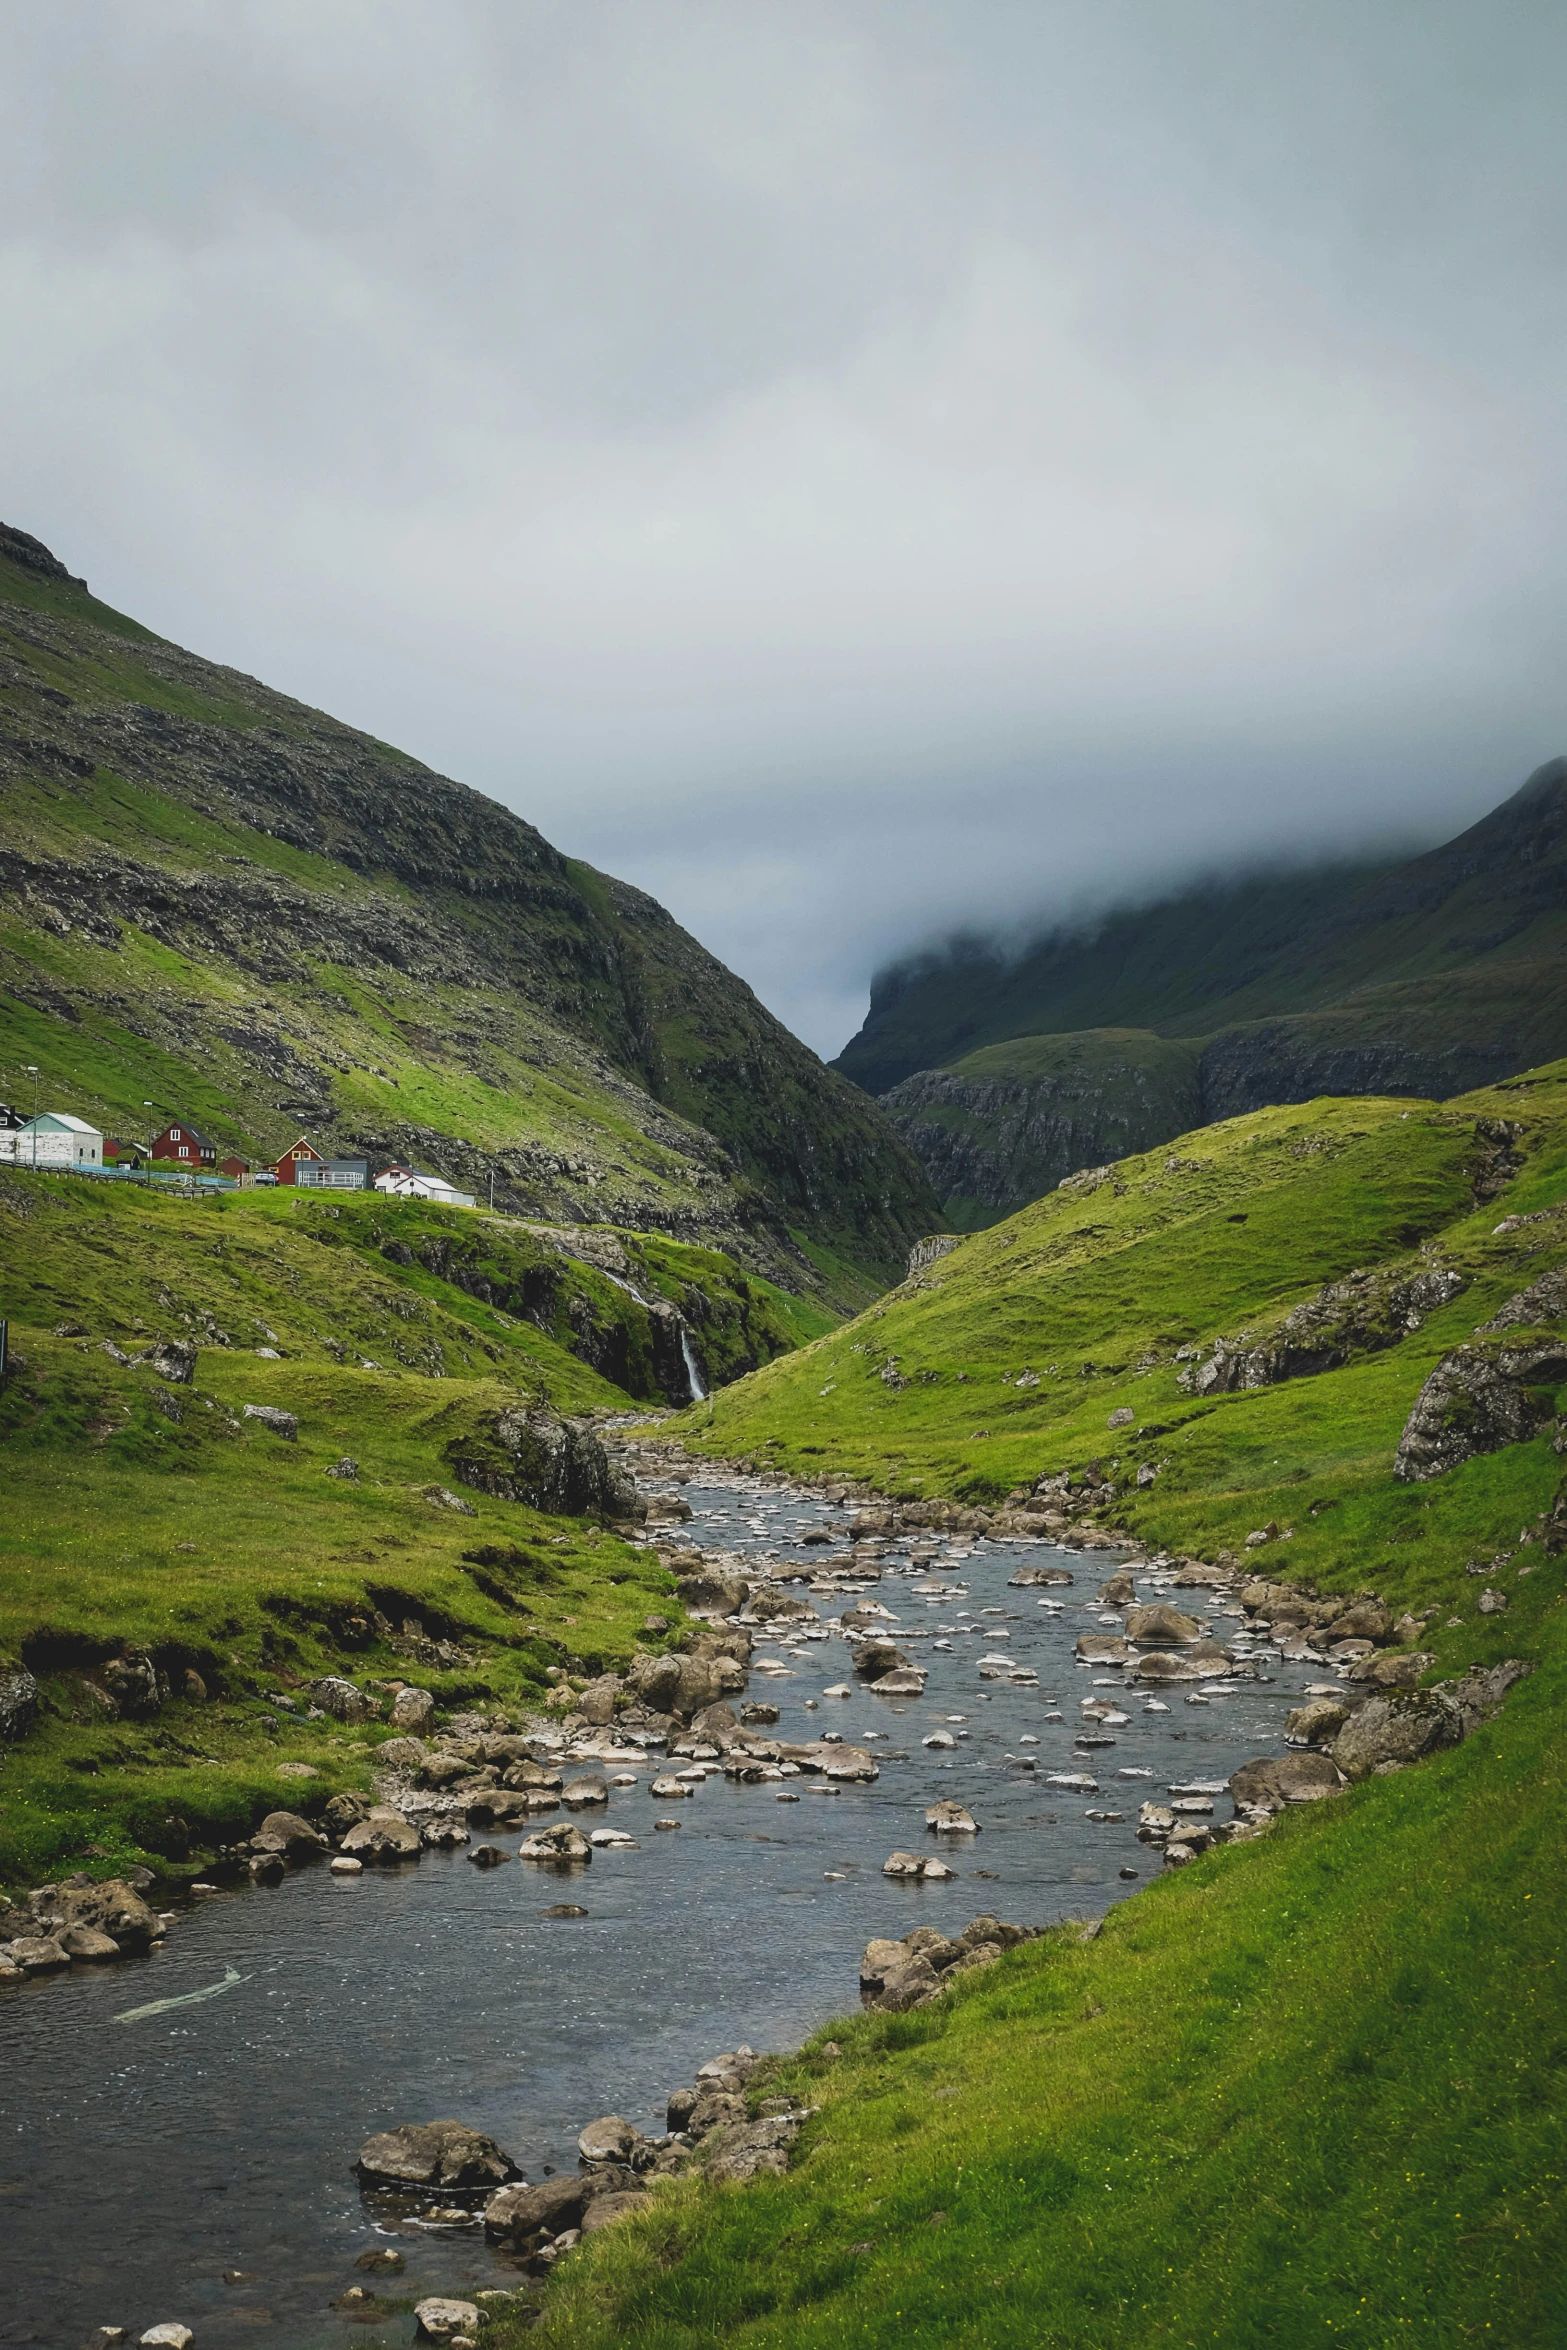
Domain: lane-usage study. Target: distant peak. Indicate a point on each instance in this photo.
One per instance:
(30, 554)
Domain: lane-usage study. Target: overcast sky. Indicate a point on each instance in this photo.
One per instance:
(854, 469)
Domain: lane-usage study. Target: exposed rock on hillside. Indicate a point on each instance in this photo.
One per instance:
(1476, 1401)
(1359, 1315)
(551, 1464)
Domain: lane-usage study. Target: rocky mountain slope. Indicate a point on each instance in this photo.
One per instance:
(1430, 977)
(223, 902)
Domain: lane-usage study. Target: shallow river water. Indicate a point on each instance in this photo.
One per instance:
(141, 2158)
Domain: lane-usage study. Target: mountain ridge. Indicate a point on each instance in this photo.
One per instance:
(219, 894)
(1432, 976)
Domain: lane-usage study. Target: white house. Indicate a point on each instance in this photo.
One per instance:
(419, 1183)
(54, 1140)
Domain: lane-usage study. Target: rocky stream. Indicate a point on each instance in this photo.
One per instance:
(895, 1737)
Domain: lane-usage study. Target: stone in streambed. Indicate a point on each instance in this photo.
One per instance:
(951, 1819)
(441, 2320)
(385, 1835)
(435, 2154)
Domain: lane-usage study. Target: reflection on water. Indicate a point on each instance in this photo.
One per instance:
(140, 2160)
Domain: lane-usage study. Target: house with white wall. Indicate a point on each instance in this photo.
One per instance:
(53, 1140)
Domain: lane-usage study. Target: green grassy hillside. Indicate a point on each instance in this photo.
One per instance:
(1310, 2089)
(141, 1515)
(227, 905)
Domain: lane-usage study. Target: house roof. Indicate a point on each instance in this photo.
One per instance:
(59, 1122)
(191, 1133)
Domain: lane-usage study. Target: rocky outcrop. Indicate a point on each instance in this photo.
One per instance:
(18, 1702)
(1478, 1400)
(530, 1455)
(1362, 1314)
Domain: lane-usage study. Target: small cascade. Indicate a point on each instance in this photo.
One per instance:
(693, 1372)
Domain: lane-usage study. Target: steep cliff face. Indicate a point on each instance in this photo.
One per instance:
(219, 899)
(1430, 977)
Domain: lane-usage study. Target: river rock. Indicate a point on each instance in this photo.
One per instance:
(1034, 1578)
(1119, 1591)
(717, 1723)
(1159, 1625)
(38, 1954)
(668, 1788)
(435, 2154)
(169, 2336)
(383, 1835)
(440, 2320)
(758, 1714)
(1316, 1723)
(610, 2139)
(583, 1794)
(519, 2215)
(489, 1856)
(708, 1594)
(18, 1703)
(908, 1681)
(285, 1832)
(559, 1847)
(413, 1711)
(346, 1811)
(1368, 1619)
(87, 1944)
(113, 1908)
(874, 1658)
(903, 1864)
(951, 1819)
(1167, 1665)
(1291, 1778)
(1102, 1648)
(596, 1702)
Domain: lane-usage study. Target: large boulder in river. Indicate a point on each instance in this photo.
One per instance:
(287, 1833)
(874, 1658)
(678, 1685)
(435, 2154)
(551, 1464)
(383, 1835)
(708, 1594)
(112, 1907)
(1160, 1626)
(518, 2216)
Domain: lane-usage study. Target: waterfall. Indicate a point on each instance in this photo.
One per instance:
(693, 1372)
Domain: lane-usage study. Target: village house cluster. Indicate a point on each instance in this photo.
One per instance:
(55, 1142)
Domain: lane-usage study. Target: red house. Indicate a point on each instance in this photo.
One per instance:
(233, 1168)
(286, 1165)
(185, 1146)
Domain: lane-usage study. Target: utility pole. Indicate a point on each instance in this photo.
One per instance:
(33, 1074)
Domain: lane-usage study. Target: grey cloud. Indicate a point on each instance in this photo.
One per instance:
(856, 470)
